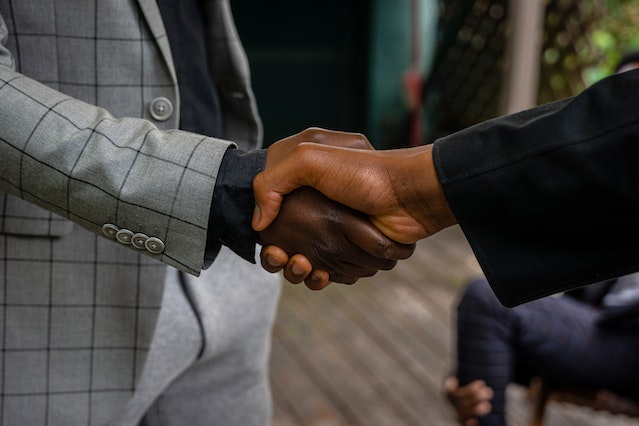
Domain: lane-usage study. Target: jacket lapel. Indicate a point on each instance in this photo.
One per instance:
(151, 13)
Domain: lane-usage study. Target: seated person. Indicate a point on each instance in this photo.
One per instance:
(587, 339)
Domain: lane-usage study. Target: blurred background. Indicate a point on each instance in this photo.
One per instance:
(405, 72)
(342, 63)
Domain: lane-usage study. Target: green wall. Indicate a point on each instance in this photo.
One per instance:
(390, 58)
(335, 64)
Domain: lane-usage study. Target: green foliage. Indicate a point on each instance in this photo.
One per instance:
(613, 33)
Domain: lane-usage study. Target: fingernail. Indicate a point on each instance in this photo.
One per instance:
(257, 217)
(274, 261)
(315, 277)
(297, 269)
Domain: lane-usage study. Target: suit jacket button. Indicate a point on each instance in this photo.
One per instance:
(110, 230)
(138, 240)
(124, 236)
(154, 245)
(161, 109)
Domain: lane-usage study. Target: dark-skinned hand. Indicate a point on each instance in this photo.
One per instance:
(334, 238)
(298, 267)
(470, 402)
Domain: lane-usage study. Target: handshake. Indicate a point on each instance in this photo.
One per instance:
(329, 208)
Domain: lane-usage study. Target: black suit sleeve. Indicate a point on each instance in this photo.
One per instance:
(549, 198)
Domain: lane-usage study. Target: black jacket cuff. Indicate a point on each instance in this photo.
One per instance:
(233, 204)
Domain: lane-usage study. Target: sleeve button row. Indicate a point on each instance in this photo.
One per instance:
(138, 240)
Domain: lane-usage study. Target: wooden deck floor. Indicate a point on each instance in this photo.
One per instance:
(375, 354)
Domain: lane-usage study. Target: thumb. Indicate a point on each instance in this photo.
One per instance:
(258, 221)
(272, 184)
(267, 203)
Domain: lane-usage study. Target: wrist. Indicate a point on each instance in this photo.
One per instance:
(233, 203)
(427, 200)
(436, 193)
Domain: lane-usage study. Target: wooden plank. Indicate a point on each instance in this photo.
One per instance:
(283, 414)
(412, 329)
(396, 388)
(412, 358)
(297, 396)
(331, 362)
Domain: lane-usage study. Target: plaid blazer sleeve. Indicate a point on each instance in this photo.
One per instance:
(78, 161)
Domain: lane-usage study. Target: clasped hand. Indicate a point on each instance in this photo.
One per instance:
(318, 240)
(384, 201)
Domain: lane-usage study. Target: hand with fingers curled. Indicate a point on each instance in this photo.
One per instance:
(470, 402)
(334, 242)
(317, 240)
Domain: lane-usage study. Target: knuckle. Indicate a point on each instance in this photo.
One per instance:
(362, 140)
(314, 134)
(384, 248)
(259, 184)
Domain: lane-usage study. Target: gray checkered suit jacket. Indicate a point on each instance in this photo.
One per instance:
(79, 307)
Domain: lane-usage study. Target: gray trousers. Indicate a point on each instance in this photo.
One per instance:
(218, 327)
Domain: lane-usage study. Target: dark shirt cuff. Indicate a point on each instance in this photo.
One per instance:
(233, 204)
